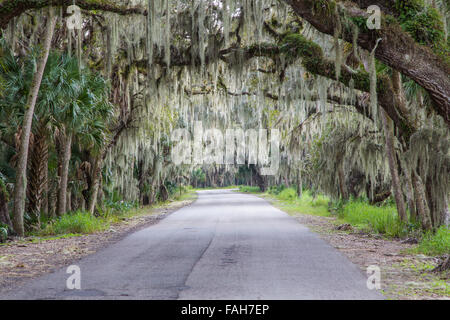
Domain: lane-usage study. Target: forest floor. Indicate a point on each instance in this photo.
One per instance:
(404, 275)
(31, 257)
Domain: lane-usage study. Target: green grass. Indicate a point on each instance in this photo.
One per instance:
(435, 244)
(77, 222)
(288, 194)
(307, 204)
(289, 202)
(383, 220)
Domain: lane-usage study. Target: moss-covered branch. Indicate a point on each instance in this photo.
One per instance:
(13, 8)
(295, 46)
(398, 49)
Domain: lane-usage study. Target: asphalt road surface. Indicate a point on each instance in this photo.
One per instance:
(225, 245)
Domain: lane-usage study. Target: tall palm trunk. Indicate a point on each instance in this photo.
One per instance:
(37, 172)
(65, 159)
(52, 198)
(21, 179)
(390, 151)
(45, 193)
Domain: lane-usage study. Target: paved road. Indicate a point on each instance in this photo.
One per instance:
(226, 245)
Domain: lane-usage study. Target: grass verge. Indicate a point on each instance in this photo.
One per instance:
(379, 219)
(80, 222)
(437, 243)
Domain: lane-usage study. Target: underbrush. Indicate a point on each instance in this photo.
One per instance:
(288, 194)
(114, 208)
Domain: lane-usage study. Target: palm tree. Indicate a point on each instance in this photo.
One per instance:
(72, 105)
(84, 118)
(21, 183)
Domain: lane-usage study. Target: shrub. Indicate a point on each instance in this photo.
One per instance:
(288, 194)
(275, 190)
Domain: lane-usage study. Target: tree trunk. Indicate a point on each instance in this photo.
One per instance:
(69, 201)
(446, 214)
(410, 197)
(341, 177)
(37, 173)
(65, 160)
(52, 198)
(261, 181)
(21, 179)
(421, 202)
(95, 184)
(390, 151)
(164, 194)
(299, 183)
(45, 196)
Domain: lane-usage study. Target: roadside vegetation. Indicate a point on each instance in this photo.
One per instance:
(111, 212)
(381, 219)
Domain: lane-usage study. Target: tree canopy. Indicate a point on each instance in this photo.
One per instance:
(361, 110)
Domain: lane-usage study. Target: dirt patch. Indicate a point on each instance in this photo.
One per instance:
(33, 256)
